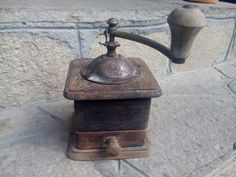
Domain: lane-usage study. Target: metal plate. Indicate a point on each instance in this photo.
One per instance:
(111, 70)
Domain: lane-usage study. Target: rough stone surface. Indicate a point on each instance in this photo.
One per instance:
(157, 62)
(232, 86)
(34, 142)
(228, 70)
(214, 83)
(189, 136)
(233, 53)
(33, 65)
(210, 46)
(36, 36)
(232, 50)
(228, 171)
(192, 126)
(87, 38)
(192, 132)
(80, 10)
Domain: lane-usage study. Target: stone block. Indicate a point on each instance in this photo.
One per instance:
(43, 156)
(191, 134)
(29, 121)
(188, 128)
(228, 70)
(206, 82)
(33, 64)
(34, 140)
(228, 171)
(232, 86)
(80, 11)
(107, 167)
(232, 51)
(61, 111)
(210, 46)
(87, 43)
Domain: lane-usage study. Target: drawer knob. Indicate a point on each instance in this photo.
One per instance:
(112, 145)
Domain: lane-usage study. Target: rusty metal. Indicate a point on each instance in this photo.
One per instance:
(185, 23)
(111, 70)
(149, 42)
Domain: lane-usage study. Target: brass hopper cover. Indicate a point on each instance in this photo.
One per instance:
(111, 70)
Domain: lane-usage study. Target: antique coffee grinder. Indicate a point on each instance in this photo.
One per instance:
(112, 94)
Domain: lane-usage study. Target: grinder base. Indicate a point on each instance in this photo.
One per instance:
(76, 153)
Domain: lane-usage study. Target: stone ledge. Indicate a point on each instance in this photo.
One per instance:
(87, 11)
(190, 134)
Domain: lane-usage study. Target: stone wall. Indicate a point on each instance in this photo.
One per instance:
(36, 46)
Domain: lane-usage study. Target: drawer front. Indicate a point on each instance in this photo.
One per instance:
(97, 140)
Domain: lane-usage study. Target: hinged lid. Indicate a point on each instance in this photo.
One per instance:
(79, 88)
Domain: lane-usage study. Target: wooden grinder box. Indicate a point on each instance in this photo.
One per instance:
(109, 121)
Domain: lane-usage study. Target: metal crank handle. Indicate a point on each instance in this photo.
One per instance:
(184, 22)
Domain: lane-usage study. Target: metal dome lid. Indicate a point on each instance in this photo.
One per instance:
(111, 70)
